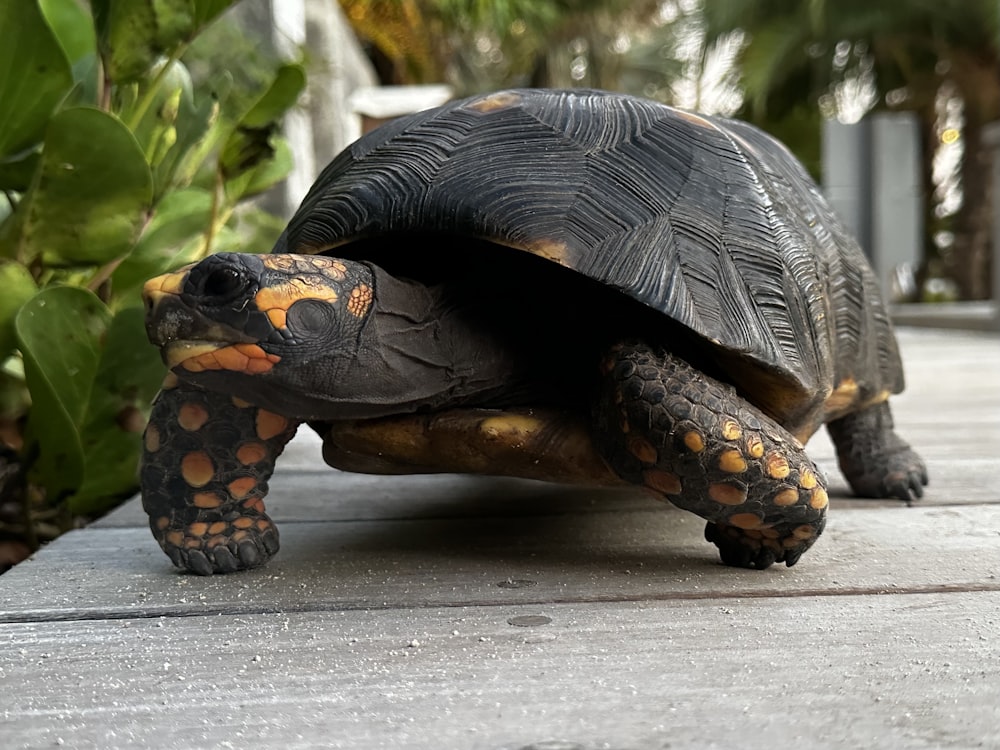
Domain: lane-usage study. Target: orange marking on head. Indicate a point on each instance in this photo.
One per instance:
(786, 497)
(254, 503)
(251, 453)
(193, 543)
(819, 499)
(168, 283)
(174, 538)
(170, 381)
(731, 430)
(263, 524)
(277, 316)
(694, 441)
(152, 439)
(732, 461)
(727, 494)
(240, 403)
(192, 416)
(248, 358)
(746, 521)
(218, 527)
(777, 466)
(360, 300)
(329, 267)
(198, 529)
(206, 500)
(269, 424)
(240, 488)
(243, 522)
(239, 536)
(282, 296)
(642, 449)
(197, 469)
(215, 541)
(755, 446)
(662, 481)
(162, 522)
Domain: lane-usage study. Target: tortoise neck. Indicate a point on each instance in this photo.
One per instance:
(429, 349)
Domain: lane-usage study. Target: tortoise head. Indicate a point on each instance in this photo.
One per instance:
(277, 330)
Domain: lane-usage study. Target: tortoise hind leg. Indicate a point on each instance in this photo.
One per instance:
(205, 465)
(875, 460)
(663, 424)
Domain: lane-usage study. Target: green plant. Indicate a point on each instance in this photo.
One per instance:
(114, 167)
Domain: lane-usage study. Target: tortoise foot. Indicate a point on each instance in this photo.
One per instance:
(761, 548)
(875, 460)
(221, 546)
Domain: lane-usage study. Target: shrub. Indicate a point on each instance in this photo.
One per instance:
(114, 167)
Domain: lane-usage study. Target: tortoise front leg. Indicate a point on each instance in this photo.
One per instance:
(666, 425)
(205, 466)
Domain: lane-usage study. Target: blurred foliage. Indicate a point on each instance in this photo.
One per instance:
(845, 57)
(784, 65)
(478, 45)
(115, 165)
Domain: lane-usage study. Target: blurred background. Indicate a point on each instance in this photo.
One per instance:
(896, 97)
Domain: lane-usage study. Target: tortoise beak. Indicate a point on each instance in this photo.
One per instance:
(178, 329)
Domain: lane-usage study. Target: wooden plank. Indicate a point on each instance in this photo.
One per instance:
(895, 671)
(328, 495)
(629, 555)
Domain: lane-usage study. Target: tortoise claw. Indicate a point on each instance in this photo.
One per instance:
(741, 551)
(256, 547)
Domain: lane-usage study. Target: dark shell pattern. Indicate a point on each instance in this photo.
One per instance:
(708, 220)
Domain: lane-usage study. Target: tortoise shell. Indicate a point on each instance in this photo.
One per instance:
(707, 220)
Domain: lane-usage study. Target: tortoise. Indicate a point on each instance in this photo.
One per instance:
(577, 286)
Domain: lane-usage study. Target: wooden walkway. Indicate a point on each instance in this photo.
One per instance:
(444, 612)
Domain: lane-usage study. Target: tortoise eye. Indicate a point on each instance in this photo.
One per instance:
(222, 282)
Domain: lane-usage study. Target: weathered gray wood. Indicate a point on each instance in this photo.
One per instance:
(628, 555)
(917, 671)
(406, 613)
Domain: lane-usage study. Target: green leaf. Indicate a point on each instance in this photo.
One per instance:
(166, 242)
(34, 75)
(18, 287)
(133, 34)
(59, 332)
(72, 25)
(280, 96)
(127, 378)
(173, 125)
(264, 175)
(205, 11)
(17, 171)
(250, 143)
(89, 197)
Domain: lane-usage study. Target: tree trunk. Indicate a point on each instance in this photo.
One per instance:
(969, 259)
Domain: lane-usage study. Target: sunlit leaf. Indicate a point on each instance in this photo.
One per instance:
(89, 198)
(59, 332)
(128, 375)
